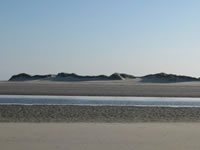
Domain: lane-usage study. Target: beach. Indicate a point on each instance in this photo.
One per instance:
(72, 113)
(102, 88)
(97, 114)
(99, 75)
(99, 127)
(90, 136)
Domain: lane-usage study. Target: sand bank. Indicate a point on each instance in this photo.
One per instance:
(102, 88)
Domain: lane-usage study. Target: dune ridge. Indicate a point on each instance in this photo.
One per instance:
(69, 77)
(158, 77)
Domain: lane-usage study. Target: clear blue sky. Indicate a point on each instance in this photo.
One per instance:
(99, 36)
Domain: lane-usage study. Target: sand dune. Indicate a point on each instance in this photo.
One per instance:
(153, 78)
(69, 77)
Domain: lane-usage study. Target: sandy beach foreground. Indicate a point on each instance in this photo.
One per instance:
(98, 136)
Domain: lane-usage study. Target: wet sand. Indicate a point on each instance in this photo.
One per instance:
(109, 114)
(98, 136)
(102, 88)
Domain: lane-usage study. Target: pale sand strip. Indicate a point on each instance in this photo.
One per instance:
(99, 136)
(102, 88)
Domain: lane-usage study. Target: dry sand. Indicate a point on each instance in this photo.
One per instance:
(99, 136)
(102, 88)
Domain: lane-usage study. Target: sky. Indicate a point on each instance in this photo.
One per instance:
(91, 37)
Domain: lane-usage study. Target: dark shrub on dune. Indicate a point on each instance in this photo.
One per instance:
(163, 77)
(21, 77)
(62, 74)
(39, 77)
(127, 76)
(116, 76)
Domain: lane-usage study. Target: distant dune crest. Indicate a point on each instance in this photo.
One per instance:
(70, 77)
(159, 77)
(163, 77)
